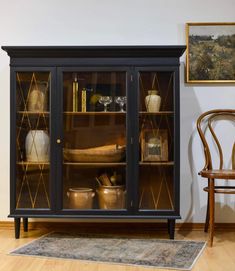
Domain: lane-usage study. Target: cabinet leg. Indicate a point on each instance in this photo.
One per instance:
(25, 223)
(171, 228)
(17, 227)
(168, 226)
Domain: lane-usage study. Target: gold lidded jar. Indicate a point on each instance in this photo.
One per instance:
(80, 198)
(153, 101)
(111, 197)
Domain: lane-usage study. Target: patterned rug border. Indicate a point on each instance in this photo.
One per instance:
(13, 253)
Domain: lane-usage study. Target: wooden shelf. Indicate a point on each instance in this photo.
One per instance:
(118, 113)
(163, 163)
(95, 113)
(144, 113)
(96, 164)
(33, 113)
(25, 163)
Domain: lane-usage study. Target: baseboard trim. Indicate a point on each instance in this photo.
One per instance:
(200, 226)
(140, 226)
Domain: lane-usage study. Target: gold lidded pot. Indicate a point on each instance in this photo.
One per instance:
(80, 198)
(153, 101)
(111, 197)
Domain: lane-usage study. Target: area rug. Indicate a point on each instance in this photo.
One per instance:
(132, 251)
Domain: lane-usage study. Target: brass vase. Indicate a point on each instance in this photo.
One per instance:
(111, 197)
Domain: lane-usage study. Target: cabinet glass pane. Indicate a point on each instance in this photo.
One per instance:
(156, 140)
(94, 147)
(32, 139)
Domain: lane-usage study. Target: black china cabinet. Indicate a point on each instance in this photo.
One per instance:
(95, 133)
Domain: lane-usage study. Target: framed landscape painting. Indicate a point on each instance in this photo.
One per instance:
(210, 53)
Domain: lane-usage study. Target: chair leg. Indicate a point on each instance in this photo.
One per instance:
(211, 211)
(207, 212)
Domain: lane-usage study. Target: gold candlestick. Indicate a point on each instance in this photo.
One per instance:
(75, 95)
(84, 100)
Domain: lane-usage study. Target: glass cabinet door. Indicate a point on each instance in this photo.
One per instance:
(156, 140)
(32, 139)
(94, 140)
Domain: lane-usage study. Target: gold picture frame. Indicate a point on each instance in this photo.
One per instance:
(210, 54)
(154, 145)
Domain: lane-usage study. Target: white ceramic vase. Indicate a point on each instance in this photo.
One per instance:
(37, 101)
(153, 101)
(37, 145)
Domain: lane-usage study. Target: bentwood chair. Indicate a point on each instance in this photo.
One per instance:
(206, 125)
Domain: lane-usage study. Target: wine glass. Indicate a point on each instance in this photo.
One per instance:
(105, 100)
(121, 100)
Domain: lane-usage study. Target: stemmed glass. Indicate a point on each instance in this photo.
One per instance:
(121, 100)
(105, 100)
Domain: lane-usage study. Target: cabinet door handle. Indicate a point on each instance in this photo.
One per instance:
(58, 141)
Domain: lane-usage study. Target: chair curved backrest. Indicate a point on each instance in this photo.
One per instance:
(207, 119)
(204, 124)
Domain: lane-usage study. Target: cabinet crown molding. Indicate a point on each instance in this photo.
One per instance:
(95, 51)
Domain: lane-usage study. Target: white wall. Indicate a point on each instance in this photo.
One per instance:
(104, 22)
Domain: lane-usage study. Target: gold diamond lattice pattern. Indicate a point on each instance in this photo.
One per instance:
(32, 140)
(156, 190)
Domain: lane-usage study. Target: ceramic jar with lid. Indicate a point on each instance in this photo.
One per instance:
(153, 101)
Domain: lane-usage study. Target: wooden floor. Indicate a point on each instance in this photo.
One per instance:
(219, 258)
